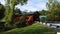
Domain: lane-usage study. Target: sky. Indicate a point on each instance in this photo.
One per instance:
(32, 5)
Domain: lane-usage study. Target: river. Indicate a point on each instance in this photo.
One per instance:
(52, 25)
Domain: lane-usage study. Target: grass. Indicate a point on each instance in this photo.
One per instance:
(33, 29)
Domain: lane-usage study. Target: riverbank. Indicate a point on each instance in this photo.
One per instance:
(32, 29)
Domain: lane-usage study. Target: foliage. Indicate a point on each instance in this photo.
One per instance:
(43, 12)
(53, 7)
(17, 11)
(10, 6)
(2, 10)
(9, 12)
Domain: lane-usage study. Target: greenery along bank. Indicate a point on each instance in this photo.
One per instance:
(32, 29)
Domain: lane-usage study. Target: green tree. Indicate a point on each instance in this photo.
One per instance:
(53, 6)
(2, 10)
(17, 11)
(10, 6)
(9, 13)
(43, 12)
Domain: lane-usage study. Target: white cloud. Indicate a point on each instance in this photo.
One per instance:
(41, 6)
(32, 5)
(2, 2)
